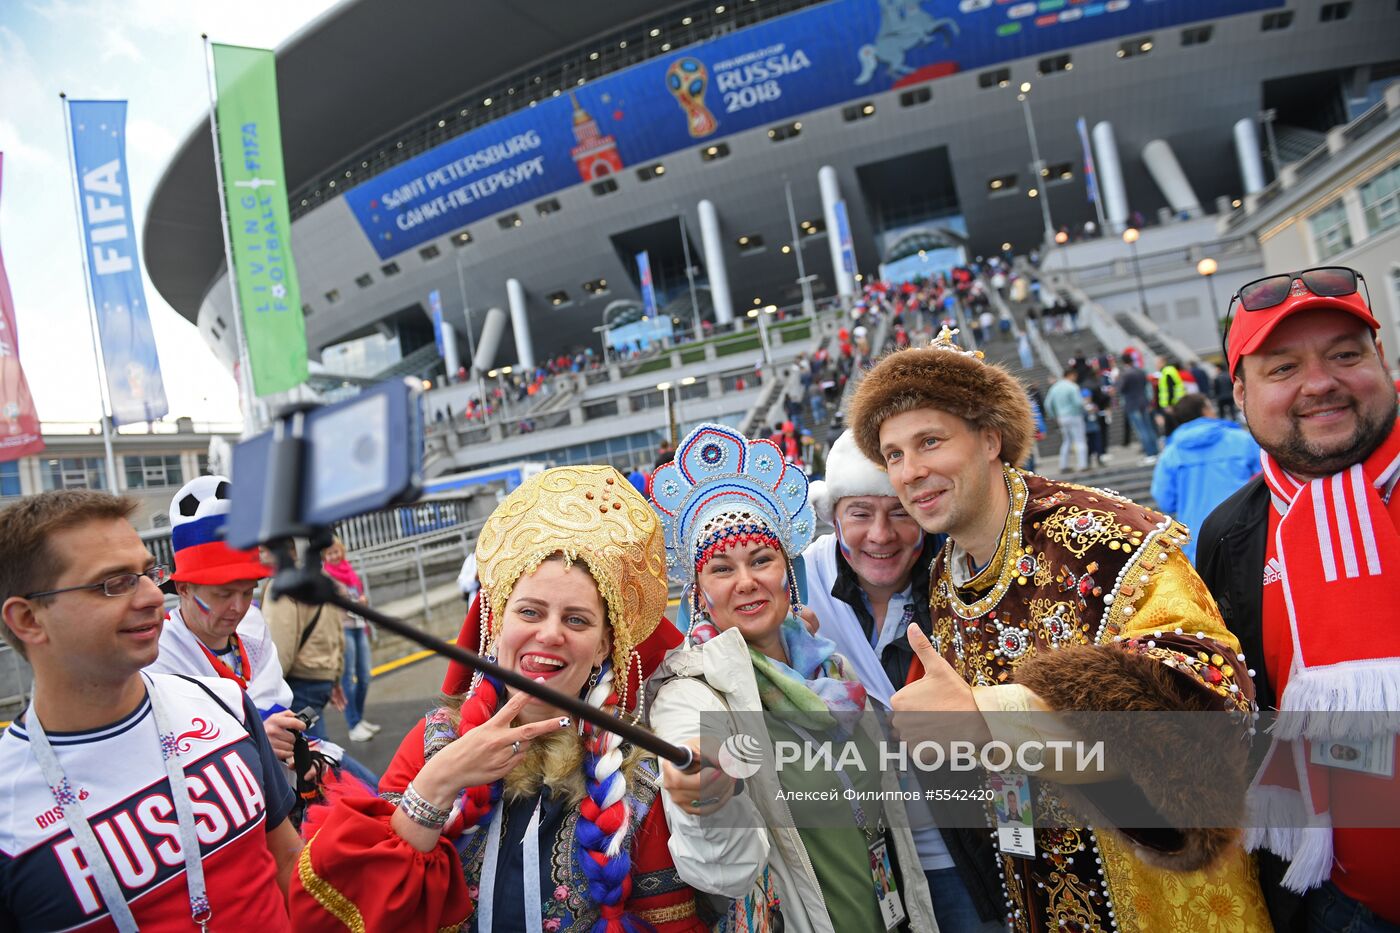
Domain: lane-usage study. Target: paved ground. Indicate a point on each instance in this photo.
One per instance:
(397, 700)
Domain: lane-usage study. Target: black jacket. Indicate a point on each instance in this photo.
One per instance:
(1230, 557)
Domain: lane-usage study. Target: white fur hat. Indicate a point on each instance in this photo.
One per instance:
(848, 473)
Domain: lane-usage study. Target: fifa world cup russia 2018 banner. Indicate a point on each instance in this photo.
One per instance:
(259, 223)
(808, 60)
(19, 423)
(134, 383)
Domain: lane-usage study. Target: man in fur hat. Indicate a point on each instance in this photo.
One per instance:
(1053, 597)
(866, 583)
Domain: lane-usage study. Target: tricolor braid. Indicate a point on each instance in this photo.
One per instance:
(603, 820)
(478, 706)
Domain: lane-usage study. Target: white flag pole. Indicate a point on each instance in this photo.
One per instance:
(92, 304)
(251, 421)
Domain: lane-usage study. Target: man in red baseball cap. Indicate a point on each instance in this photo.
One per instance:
(1303, 561)
(217, 631)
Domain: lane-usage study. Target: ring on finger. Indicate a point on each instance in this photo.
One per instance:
(705, 802)
(515, 747)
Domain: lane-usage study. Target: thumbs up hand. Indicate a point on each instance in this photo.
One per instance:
(940, 690)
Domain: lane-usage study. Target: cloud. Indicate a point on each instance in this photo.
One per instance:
(119, 47)
(148, 52)
(20, 153)
(148, 138)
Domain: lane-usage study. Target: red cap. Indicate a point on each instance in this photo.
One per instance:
(217, 564)
(1249, 329)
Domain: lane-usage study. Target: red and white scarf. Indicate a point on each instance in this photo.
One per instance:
(1337, 544)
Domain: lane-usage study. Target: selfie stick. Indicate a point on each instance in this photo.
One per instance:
(307, 584)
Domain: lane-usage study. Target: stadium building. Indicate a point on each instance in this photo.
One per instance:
(518, 158)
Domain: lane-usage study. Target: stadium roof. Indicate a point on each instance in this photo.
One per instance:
(408, 60)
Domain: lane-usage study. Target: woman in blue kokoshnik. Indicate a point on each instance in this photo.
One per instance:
(734, 516)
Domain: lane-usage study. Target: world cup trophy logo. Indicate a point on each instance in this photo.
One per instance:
(686, 79)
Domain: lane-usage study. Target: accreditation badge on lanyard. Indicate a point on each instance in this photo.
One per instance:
(882, 874)
(886, 888)
(1015, 823)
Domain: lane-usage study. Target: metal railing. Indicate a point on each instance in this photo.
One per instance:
(16, 681)
(448, 546)
(363, 533)
(1166, 260)
(1370, 121)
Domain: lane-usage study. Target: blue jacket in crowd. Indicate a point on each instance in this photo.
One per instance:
(1206, 460)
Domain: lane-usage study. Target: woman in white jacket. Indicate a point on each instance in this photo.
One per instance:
(734, 514)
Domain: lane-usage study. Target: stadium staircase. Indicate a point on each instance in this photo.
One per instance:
(1152, 341)
(1123, 472)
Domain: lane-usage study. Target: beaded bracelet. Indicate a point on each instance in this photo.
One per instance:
(420, 811)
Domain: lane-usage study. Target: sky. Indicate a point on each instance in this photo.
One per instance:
(149, 53)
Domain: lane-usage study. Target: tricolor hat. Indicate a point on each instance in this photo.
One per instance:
(197, 516)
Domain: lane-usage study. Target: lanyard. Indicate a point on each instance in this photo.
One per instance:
(242, 674)
(78, 824)
(852, 795)
(486, 890)
(877, 631)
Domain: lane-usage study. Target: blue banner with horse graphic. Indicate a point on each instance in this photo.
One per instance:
(777, 70)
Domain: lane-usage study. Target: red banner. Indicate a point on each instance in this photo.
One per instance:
(19, 423)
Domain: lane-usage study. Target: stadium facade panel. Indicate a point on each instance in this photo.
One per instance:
(915, 105)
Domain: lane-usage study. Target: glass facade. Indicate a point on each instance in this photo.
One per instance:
(75, 473)
(1330, 231)
(9, 479)
(363, 356)
(1380, 199)
(152, 472)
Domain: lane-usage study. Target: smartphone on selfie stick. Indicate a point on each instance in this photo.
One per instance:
(320, 464)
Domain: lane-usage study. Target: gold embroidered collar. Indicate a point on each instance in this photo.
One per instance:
(1001, 569)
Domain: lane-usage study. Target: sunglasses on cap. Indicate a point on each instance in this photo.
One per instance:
(1273, 290)
(1323, 281)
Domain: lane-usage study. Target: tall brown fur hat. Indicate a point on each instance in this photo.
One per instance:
(983, 394)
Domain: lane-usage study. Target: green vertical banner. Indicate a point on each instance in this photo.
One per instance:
(259, 223)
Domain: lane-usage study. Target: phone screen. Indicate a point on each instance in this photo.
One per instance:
(357, 466)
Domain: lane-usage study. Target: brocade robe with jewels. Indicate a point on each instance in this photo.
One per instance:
(1082, 566)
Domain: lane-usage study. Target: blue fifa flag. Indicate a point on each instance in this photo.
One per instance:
(1091, 181)
(435, 309)
(134, 382)
(843, 233)
(648, 287)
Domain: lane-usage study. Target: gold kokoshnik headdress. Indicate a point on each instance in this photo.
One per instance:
(590, 514)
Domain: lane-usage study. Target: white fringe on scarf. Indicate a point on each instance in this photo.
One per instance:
(1355, 700)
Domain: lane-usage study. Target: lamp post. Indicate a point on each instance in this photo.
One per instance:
(1130, 236)
(1207, 268)
(1061, 240)
(471, 338)
(761, 314)
(804, 280)
(665, 388)
(1037, 166)
(1267, 118)
(690, 278)
(497, 375)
